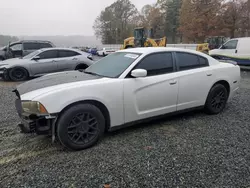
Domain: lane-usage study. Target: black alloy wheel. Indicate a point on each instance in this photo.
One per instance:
(80, 126)
(83, 128)
(217, 99)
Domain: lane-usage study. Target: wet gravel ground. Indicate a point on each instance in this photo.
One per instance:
(188, 150)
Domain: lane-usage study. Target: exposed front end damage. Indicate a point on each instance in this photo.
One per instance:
(41, 124)
(4, 73)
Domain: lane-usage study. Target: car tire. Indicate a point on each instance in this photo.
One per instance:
(80, 127)
(81, 67)
(103, 54)
(217, 99)
(1, 58)
(18, 74)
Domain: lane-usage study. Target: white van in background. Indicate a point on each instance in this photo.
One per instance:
(236, 49)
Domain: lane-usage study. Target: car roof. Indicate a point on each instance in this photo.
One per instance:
(38, 41)
(241, 38)
(63, 48)
(148, 50)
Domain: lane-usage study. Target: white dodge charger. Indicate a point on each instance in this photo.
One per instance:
(121, 89)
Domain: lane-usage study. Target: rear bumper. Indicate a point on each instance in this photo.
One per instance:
(233, 93)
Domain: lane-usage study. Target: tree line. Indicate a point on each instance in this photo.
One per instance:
(5, 39)
(184, 21)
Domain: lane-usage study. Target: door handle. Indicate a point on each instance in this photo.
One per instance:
(54, 61)
(236, 51)
(173, 82)
(74, 59)
(209, 74)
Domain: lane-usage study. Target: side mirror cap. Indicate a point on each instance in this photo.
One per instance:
(36, 58)
(222, 47)
(137, 73)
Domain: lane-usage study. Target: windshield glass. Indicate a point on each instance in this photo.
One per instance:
(113, 65)
(33, 54)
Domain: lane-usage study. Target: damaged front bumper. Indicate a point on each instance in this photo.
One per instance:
(35, 123)
(41, 125)
(4, 73)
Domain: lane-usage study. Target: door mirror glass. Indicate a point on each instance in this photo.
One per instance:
(139, 73)
(36, 58)
(222, 47)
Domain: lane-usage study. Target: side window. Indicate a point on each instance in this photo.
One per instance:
(67, 53)
(187, 61)
(157, 64)
(203, 62)
(45, 45)
(48, 54)
(232, 44)
(16, 47)
(31, 46)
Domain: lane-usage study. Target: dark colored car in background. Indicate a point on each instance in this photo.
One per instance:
(23, 48)
(93, 51)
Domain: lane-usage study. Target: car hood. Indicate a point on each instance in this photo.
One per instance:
(53, 81)
(214, 51)
(13, 61)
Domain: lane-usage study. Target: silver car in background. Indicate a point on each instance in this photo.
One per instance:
(44, 61)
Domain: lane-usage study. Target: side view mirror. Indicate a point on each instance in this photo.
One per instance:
(137, 73)
(36, 58)
(222, 47)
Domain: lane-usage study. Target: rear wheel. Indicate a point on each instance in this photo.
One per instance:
(80, 127)
(217, 99)
(18, 74)
(81, 67)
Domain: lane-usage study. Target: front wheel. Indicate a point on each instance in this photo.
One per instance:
(216, 100)
(80, 127)
(18, 74)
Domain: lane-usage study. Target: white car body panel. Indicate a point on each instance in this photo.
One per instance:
(105, 51)
(81, 91)
(128, 100)
(142, 99)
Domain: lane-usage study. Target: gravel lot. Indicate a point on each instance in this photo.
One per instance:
(189, 150)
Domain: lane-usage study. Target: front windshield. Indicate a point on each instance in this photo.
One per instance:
(113, 65)
(33, 54)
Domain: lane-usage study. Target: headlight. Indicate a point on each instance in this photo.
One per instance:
(34, 107)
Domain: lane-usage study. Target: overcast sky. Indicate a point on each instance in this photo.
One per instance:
(53, 17)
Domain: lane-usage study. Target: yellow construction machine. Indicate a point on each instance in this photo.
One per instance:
(143, 38)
